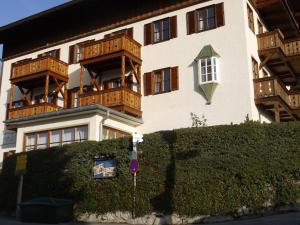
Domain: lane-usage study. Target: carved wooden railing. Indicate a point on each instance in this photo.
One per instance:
(275, 39)
(272, 87)
(32, 110)
(41, 64)
(113, 97)
(110, 45)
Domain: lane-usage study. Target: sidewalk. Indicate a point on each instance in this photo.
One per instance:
(282, 219)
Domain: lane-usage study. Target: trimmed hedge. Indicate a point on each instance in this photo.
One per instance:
(211, 170)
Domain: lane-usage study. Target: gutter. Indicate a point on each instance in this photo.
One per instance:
(67, 113)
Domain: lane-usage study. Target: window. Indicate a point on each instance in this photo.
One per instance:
(206, 18)
(55, 138)
(209, 70)
(30, 142)
(250, 19)
(161, 30)
(68, 136)
(111, 133)
(6, 155)
(161, 81)
(54, 53)
(255, 70)
(52, 138)
(260, 27)
(42, 140)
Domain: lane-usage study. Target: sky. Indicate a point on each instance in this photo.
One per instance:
(13, 10)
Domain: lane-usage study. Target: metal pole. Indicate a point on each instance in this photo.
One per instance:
(134, 181)
(19, 196)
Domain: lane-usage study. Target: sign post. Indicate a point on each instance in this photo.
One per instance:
(21, 165)
(134, 165)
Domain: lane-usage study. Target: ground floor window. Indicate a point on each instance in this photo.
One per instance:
(111, 133)
(52, 138)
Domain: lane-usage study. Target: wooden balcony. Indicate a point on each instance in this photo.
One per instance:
(280, 55)
(121, 99)
(32, 69)
(273, 96)
(32, 110)
(109, 48)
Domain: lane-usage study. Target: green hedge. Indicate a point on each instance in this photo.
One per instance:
(212, 170)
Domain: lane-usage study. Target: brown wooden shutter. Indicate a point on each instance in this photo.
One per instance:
(191, 22)
(148, 34)
(57, 53)
(174, 78)
(173, 27)
(220, 20)
(71, 54)
(130, 32)
(148, 84)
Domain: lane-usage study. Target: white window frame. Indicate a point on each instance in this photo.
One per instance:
(215, 75)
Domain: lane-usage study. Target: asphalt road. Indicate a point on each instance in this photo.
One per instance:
(282, 219)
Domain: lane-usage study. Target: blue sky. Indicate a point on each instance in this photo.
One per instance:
(13, 10)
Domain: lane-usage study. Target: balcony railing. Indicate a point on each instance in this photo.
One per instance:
(32, 110)
(275, 39)
(41, 64)
(272, 87)
(111, 45)
(116, 97)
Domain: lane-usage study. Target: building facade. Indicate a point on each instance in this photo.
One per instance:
(72, 73)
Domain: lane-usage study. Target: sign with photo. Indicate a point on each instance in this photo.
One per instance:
(104, 168)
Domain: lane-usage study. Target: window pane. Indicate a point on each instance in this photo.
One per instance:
(104, 133)
(68, 135)
(42, 140)
(30, 140)
(211, 12)
(55, 138)
(81, 133)
(166, 30)
(157, 31)
(211, 23)
(202, 18)
(116, 83)
(158, 83)
(167, 83)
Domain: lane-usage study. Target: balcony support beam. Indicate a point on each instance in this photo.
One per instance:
(65, 95)
(24, 96)
(123, 70)
(139, 72)
(94, 80)
(46, 88)
(81, 79)
(12, 92)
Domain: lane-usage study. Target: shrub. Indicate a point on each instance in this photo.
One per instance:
(207, 170)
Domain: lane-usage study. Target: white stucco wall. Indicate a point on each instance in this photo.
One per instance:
(233, 99)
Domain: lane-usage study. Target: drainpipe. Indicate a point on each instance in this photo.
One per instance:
(102, 123)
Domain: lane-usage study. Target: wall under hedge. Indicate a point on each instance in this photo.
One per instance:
(213, 170)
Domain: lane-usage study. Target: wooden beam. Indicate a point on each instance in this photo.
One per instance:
(59, 86)
(12, 93)
(46, 88)
(24, 95)
(123, 71)
(81, 79)
(94, 80)
(139, 71)
(264, 62)
(65, 95)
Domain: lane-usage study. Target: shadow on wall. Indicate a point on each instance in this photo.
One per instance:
(197, 87)
(164, 203)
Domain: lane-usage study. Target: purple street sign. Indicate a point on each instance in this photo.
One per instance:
(134, 166)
